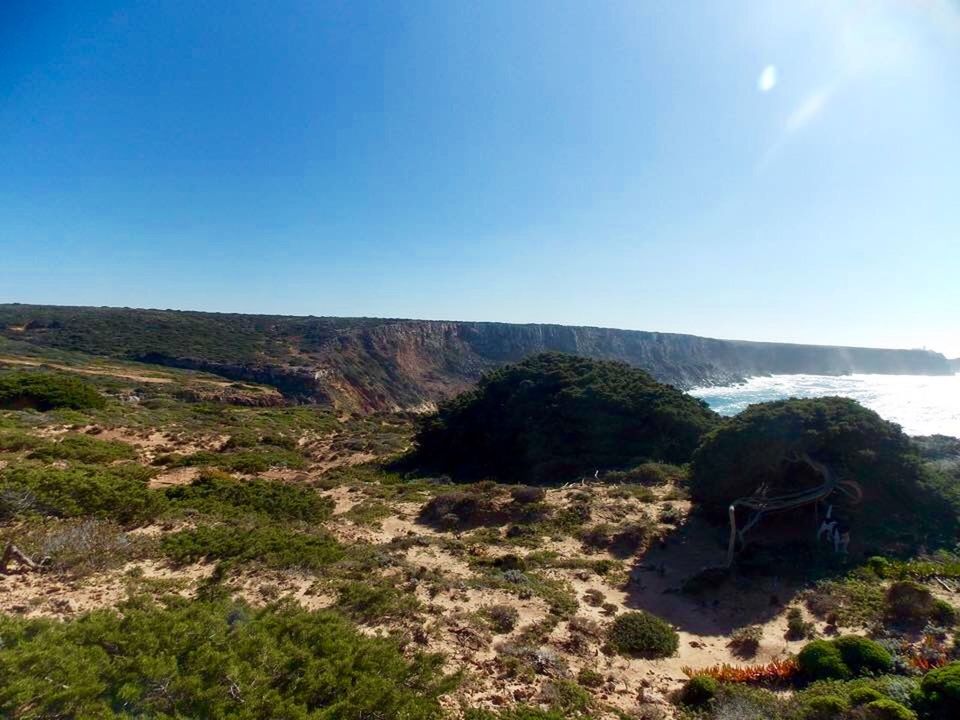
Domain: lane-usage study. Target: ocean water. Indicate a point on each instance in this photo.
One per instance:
(922, 405)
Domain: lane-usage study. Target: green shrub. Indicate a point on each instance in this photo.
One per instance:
(588, 677)
(567, 697)
(640, 633)
(746, 640)
(554, 416)
(84, 448)
(457, 509)
(843, 658)
(47, 391)
(369, 602)
(821, 660)
(944, 613)
(821, 707)
(210, 659)
(864, 695)
(503, 618)
(698, 691)
(248, 461)
(939, 695)
(651, 473)
(797, 627)
(743, 702)
(272, 546)
(17, 440)
(215, 493)
(369, 512)
(910, 603)
(527, 494)
(863, 656)
(118, 492)
(886, 709)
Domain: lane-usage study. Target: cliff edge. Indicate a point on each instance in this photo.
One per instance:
(369, 364)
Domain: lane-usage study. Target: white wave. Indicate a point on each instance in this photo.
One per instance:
(922, 405)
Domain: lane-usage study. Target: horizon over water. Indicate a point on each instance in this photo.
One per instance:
(921, 404)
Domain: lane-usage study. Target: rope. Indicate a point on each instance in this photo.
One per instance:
(761, 504)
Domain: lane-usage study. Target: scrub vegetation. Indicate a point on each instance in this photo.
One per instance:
(183, 546)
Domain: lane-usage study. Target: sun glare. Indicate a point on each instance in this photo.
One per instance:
(768, 79)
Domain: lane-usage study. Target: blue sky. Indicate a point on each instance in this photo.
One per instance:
(760, 170)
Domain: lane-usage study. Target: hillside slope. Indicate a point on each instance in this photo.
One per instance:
(368, 364)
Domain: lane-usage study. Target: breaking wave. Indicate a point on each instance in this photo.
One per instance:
(922, 405)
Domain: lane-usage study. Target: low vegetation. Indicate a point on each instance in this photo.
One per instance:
(197, 555)
(47, 391)
(118, 492)
(210, 659)
(216, 493)
(270, 545)
(640, 633)
(844, 658)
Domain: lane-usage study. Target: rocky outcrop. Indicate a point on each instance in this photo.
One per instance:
(366, 364)
(955, 365)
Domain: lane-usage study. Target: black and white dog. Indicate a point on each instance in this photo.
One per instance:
(836, 530)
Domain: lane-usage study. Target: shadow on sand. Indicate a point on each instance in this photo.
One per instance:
(765, 579)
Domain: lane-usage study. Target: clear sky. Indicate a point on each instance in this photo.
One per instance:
(761, 170)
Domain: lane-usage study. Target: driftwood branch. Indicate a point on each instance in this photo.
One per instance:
(12, 552)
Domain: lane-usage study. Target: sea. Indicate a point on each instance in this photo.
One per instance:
(920, 404)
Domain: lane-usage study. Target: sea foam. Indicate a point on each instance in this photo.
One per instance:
(922, 405)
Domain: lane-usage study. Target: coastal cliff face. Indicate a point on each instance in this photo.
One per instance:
(413, 364)
(369, 365)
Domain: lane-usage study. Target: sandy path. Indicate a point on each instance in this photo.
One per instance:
(107, 371)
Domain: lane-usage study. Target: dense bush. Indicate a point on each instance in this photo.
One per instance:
(939, 696)
(218, 494)
(886, 709)
(553, 416)
(745, 641)
(206, 659)
(820, 707)
(47, 391)
(527, 494)
(17, 440)
(83, 448)
(117, 492)
(698, 691)
(821, 660)
(843, 658)
(651, 473)
(244, 460)
(502, 618)
(763, 447)
(797, 627)
(863, 656)
(910, 603)
(369, 602)
(273, 546)
(640, 633)
(567, 697)
(457, 509)
(881, 698)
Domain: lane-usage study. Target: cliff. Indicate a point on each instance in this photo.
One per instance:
(369, 364)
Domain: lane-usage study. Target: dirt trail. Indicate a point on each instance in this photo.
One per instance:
(106, 371)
